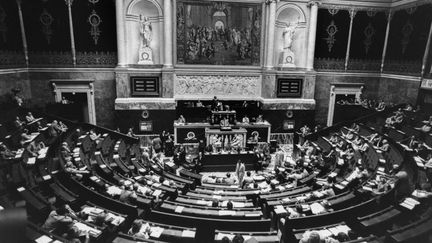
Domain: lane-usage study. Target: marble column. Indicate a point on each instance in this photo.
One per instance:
(352, 15)
(121, 41)
(168, 40)
(23, 33)
(271, 33)
(312, 34)
(72, 36)
(389, 16)
(426, 53)
(264, 40)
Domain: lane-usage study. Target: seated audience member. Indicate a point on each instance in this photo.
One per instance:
(305, 130)
(381, 106)
(25, 137)
(408, 107)
(230, 205)
(60, 219)
(342, 237)
(224, 122)
(429, 121)
(425, 128)
(64, 150)
(245, 119)
(5, 152)
(385, 146)
(128, 195)
(39, 126)
(139, 229)
(73, 235)
(229, 180)
(181, 119)
(310, 237)
(94, 136)
(70, 168)
(355, 127)
(411, 142)
(62, 126)
(363, 146)
(130, 132)
(54, 129)
(248, 179)
(260, 119)
(33, 148)
(225, 239)
(157, 144)
(349, 135)
(402, 185)
(333, 139)
(18, 100)
(238, 238)
(29, 117)
(18, 123)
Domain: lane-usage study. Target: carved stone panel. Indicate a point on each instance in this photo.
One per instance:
(224, 86)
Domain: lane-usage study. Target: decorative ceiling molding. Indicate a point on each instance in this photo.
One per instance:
(373, 5)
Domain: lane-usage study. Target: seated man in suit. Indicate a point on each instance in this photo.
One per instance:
(18, 123)
(29, 117)
(245, 119)
(25, 137)
(60, 219)
(224, 122)
(5, 152)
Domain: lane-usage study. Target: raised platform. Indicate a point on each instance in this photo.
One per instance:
(223, 162)
(158, 103)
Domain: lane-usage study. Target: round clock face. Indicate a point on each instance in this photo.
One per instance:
(289, 114)
(145, 56)
(145, 114)
(289, 59)
(190, 135)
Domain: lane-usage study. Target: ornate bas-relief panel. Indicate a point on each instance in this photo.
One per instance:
(219, 85)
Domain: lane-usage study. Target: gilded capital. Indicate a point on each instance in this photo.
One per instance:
(69, 2)
(313, 3)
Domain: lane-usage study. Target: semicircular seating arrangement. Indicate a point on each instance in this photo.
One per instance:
(357, 181)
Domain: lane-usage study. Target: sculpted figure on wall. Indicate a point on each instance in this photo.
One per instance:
(145, 31)
(145, 52)
(288, 35)
(287, 53)
(235, 86)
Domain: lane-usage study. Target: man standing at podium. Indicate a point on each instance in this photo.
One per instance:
(224, 122)
(240, 171)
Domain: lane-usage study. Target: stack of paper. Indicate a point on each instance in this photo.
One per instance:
(179, 209)
(409, 203)
(31, 161)
(317, 208)
(188, 234)
(43, 239)
(156, 232)
(279, 209)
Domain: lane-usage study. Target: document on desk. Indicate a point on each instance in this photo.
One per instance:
(179, 209)
(188, 234)
(43, 239)
(156, 232)
(31, 161)
(226, 212)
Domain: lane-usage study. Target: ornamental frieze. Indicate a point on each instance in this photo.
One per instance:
(219, 85)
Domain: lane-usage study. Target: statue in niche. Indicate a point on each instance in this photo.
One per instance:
(288, 34)
(287, 53)
(145, 52)
(145, 31)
